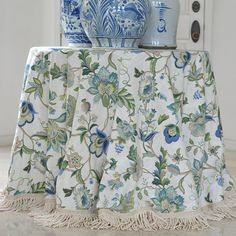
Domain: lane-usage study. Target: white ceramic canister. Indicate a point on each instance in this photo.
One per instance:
(162, 29)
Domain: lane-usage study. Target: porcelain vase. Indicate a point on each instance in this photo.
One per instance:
(71, 23)
(162, 30)
(115, 23)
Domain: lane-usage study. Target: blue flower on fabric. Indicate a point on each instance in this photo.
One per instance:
(119, 148)
(99, 143)
(82, 197)
(146, 137)
(104, 85)
(197, 95)
(220, 181)
(27, 113)
(147, 88)
(171, 133)
(167, 200)
(219, 132)
(181, 59)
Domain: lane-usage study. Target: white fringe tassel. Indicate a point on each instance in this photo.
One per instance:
(48, 208)
(142, 219)
(22, 203)
(146, 220)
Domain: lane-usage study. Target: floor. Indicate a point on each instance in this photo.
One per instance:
(16, 224)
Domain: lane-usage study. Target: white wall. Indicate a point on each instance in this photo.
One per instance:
(23, 24)
(223, 58)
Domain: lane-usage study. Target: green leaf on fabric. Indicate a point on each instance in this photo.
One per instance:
(164, 152)
(191, 141)
(132, 153)
(207, 137)
(94, 67)
(105, 100)
(112, 163)
(86, 63)
(40, 135)
(138, 73)
(37, 81)
(38, 188)
(27, 150)
(118, 120)
(81, 128)
(126, 99)
(165, 181)
(156, 182)
(185, 120)
(162, 118)
(140, 196)
(64, 164)
(28, 167)
(153, 62)
(67, 192)
(10, 189)
(180, 185)
(127, 176)
(55, 72)
(31, 90)
(82, 136)
(92, 126)
(78, 176)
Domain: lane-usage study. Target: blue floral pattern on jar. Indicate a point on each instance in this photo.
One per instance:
(115, 23)
(71, 23)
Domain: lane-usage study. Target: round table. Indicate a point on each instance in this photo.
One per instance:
(119, 139)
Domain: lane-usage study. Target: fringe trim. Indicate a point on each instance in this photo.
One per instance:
(143, 219)
(67, 218)
(22, 203)
(149, 220)
(48, 208)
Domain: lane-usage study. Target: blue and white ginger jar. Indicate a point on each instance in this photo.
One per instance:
(71, 23)
(162, 30)
(115, 23)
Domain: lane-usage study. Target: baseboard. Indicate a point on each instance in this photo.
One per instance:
(6, 140)
(230, 144)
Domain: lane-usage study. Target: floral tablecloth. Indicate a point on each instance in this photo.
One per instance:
(119, 139)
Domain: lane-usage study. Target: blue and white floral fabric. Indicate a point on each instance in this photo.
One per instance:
(119, 130)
